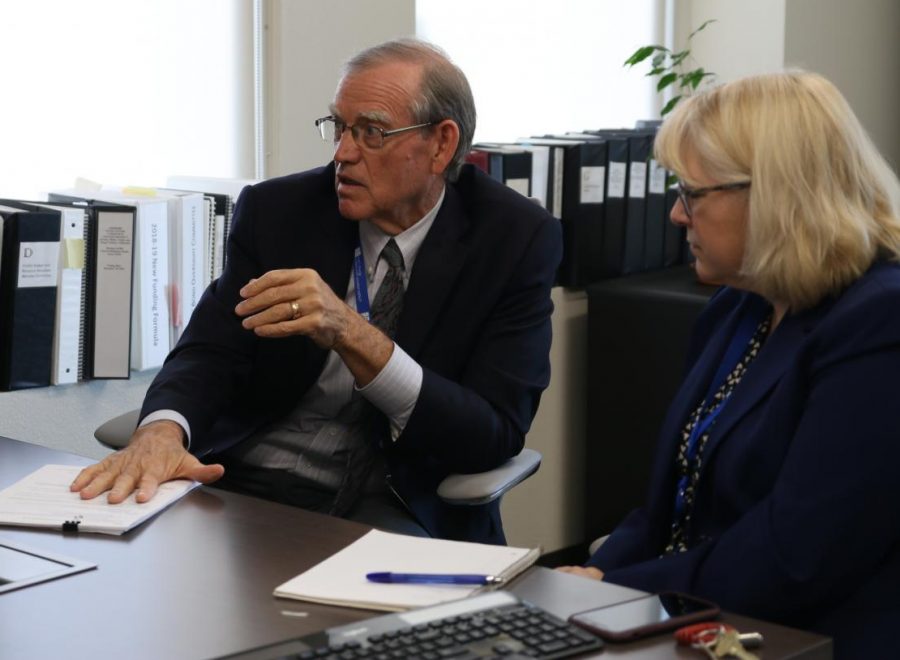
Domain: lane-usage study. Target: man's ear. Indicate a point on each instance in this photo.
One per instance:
(447, 139)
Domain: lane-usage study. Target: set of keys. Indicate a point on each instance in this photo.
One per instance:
(719, 640)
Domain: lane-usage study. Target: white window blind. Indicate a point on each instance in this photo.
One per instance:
(124, 93)
(540, 67)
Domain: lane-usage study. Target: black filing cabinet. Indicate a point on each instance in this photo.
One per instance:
(638, 332)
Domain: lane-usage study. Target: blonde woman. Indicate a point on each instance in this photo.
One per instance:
(775, 491)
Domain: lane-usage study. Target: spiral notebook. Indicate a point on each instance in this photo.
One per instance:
(341, 579)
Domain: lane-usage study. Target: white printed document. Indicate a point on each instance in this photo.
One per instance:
(43, 499)
(341, 579)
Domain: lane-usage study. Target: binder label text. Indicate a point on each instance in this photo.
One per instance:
(592, 183)
(38, 264)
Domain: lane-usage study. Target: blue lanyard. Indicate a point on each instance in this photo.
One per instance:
(360, 284)
(736, 349)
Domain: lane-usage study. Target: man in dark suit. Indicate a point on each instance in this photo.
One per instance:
(283, 383)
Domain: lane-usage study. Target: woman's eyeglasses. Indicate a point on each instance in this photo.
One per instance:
(686, 194)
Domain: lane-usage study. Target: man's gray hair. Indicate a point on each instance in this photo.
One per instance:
(444, 92)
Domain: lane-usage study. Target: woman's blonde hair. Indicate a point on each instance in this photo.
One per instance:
(824, 204)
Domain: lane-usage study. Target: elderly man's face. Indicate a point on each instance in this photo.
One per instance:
(393, 186)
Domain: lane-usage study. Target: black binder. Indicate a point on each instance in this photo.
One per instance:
(59, 320)
(640, 148)
(509, 164)
(657, 217)
(582, 202)
(615, 234)
(28, 289)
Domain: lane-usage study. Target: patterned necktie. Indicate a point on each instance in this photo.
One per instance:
(365, 423)
(388, 303)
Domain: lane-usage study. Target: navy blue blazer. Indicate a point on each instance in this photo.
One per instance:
(797, 512)
(476, 317)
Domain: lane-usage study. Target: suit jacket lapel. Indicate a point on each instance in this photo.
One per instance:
(696, 383)
(332, 258)
(763, 374)
(334, 264)
(771, 363)
(436, 268)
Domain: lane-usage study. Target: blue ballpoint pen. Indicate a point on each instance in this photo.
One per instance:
(432, 578)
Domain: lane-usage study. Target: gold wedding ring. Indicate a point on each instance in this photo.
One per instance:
(295, 310)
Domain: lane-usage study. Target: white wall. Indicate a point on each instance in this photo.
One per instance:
(856, 45)
(306, 44)
(539, 67)
(123, 93)
(548, 509)
(747, 37)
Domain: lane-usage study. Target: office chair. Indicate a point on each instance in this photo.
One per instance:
(463, 489)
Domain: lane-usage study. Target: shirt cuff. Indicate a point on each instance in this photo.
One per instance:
(395, 390)
(171, 416)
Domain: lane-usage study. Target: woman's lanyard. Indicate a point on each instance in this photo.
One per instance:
(736, 349)
(360, 284)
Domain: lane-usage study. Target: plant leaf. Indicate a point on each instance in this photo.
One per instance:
(641, 54)
(656, 71)
(690, 79)
(700, 78)
(693, 78)
(671, 104)
(700, 29)
(678, 58)
(658, 59)
(665, 81)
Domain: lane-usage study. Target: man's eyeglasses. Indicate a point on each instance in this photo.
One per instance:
(686, 194)
(368, 135)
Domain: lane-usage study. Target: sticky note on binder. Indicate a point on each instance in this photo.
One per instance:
(138, 191)
(73, 253)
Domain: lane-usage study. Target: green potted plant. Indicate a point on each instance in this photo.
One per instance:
(670, 68)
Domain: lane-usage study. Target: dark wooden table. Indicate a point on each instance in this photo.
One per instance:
(197, 580)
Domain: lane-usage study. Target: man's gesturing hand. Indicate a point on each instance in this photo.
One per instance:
(295, 302)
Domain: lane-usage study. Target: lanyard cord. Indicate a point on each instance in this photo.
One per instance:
(749, 322)
(360, 284)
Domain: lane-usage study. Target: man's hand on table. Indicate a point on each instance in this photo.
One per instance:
(155, 454)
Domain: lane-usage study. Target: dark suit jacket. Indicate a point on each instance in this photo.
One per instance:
(476, 317)
(797, 512)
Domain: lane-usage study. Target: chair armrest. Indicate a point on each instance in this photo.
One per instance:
(471, 489)
(484, 487)
(116, 432)
(595, 544)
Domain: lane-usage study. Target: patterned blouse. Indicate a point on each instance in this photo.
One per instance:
(691, 469)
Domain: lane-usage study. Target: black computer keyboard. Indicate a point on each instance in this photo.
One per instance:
(491, 625)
